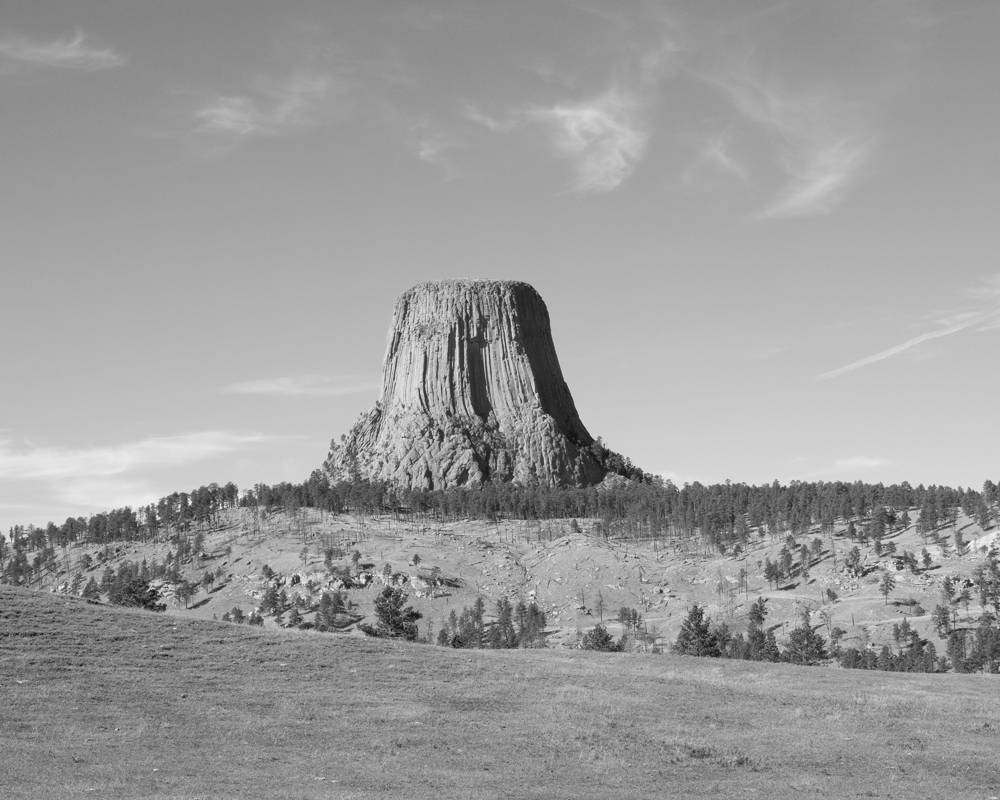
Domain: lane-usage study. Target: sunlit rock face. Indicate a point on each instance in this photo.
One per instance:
(471, 392)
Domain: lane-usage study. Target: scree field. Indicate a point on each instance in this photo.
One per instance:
(103, 702)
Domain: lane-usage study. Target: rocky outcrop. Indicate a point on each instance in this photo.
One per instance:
(471, 392)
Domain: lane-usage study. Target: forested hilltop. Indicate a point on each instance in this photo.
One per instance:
(719, 517)
(868, 575)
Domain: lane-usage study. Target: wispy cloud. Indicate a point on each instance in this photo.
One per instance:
(715, 158)
(433, 145)
(820, 145)
(819, 176)
(496, 124)
(301, 386)
(987, 289)
(27, 463)
(70, 52)
(983, 318)
(895, 350)
(273, 109)
(718, 153)
(603, 137)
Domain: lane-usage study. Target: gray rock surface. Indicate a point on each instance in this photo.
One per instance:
(471, 392)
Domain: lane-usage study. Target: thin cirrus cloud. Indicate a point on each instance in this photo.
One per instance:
(69, 52)
(273, 109)
(606, 135)
(603, 138)
(27, 463)
(982, 318)
(300, 386)
(819, 177)
(495, 124)
(989, 291)
(717, 152)
(820, 148)
(715, 157)
(896, 350)
(434, 146)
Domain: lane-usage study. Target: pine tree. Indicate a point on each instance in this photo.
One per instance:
(107, 578)
(886, 586)
(269, 602)
(331, 604)
(395, 619)
(786, 563)
(599, 638)
(183, 592)
(770, 572)
(91, 591)
(757, 647)
(853, 561)
(137, 593)
(695, 637)
(502, 634)
(805, 646)
(531, 624)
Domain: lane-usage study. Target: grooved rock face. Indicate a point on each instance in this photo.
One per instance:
(471, 392)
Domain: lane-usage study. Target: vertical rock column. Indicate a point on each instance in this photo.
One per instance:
(471, 392)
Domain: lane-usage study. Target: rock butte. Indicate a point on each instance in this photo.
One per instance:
(471, 392)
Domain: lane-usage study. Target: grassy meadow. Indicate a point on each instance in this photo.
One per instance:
(100, 702)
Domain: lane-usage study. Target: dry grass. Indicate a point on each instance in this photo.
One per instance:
(103, 703)
(562, 570)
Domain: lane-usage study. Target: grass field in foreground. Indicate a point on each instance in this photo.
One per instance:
(100, 703)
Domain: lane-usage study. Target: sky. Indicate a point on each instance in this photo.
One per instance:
(765, 232)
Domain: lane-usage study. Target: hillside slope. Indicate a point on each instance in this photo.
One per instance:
(103, 702)
(577, 576)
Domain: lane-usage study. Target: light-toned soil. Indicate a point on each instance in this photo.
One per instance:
(578, 577)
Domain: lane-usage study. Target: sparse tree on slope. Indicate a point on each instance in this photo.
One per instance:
(805, 646)
(696, 637)
(886, 586)
(330, 605)
(395, 619)
(853, 561)
(183, 592)
(502, 635)
(599, 638)
(136, 592)
(91, 591)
